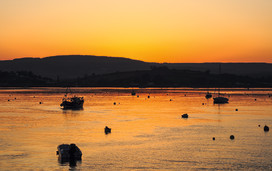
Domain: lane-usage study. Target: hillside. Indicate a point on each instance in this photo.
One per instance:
(74, 66)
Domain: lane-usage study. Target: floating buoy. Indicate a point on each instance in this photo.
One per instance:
(185, 115)
(148, 96)
(232, 137)
(114, 103)
(202, 103)
(255, 99)
(137, 95)
(170, 100)
(259, 125)
(266, 128)
(213, 138)
(8, 100)
(236, 109)
(40, 102)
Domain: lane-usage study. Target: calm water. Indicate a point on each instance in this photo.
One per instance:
(147, 133)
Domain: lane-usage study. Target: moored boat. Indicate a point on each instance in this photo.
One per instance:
(208, 95)
(74, 102)
(133, 93)
(69, 152)
(220, 100)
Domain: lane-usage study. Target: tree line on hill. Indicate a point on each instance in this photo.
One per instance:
(155, 77)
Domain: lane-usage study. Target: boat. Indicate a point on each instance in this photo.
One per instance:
(68, 152)
(208, 95)
(185, 115)
(219, 99)
(72, 102)
(107, 130)
(133, 93)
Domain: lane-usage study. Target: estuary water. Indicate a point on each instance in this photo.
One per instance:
(147, 129)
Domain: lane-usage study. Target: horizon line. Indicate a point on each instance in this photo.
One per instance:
(18, 58)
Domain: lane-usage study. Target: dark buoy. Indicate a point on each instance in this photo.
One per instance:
(185, 115)
(255, 99)
(259, 125)
(114, 103)
(40, 102)
(107, 130)
(232, 137)
(266, 128)
(148, 96)
(213, 138)
(170, 100)
(236, 109)
(202, 103)
(137, 95)
(8, 100)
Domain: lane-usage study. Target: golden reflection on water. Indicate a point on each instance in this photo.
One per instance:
(147, 133)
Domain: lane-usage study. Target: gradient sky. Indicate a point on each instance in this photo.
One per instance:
(148, 30)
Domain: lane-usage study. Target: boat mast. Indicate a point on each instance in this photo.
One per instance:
(219, 78)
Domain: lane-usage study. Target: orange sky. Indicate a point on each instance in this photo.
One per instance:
(148, 30)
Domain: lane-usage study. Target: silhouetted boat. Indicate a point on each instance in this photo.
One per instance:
(68, 152)
(185, 115)
(219, 99)
(208, 95)
(107, 130)
(133, 93)
(72, 102)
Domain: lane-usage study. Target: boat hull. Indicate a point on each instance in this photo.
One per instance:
(220, 100)
(72, 105)
(64, 152)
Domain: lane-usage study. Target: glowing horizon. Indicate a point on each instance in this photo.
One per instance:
(151, 31)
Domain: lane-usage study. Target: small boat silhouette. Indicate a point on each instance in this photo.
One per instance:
(185, 115)
(133, 93)
(208, 95)
(72, 102)
(68, 152)
(107, 130)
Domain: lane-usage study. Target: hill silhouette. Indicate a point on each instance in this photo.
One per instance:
(72, 66)
(165, 77)
(75, 66)
(156, 77)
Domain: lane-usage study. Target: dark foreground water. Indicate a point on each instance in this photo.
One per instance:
(147, 133)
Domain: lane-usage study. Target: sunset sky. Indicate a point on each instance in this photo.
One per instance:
(148, 30)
